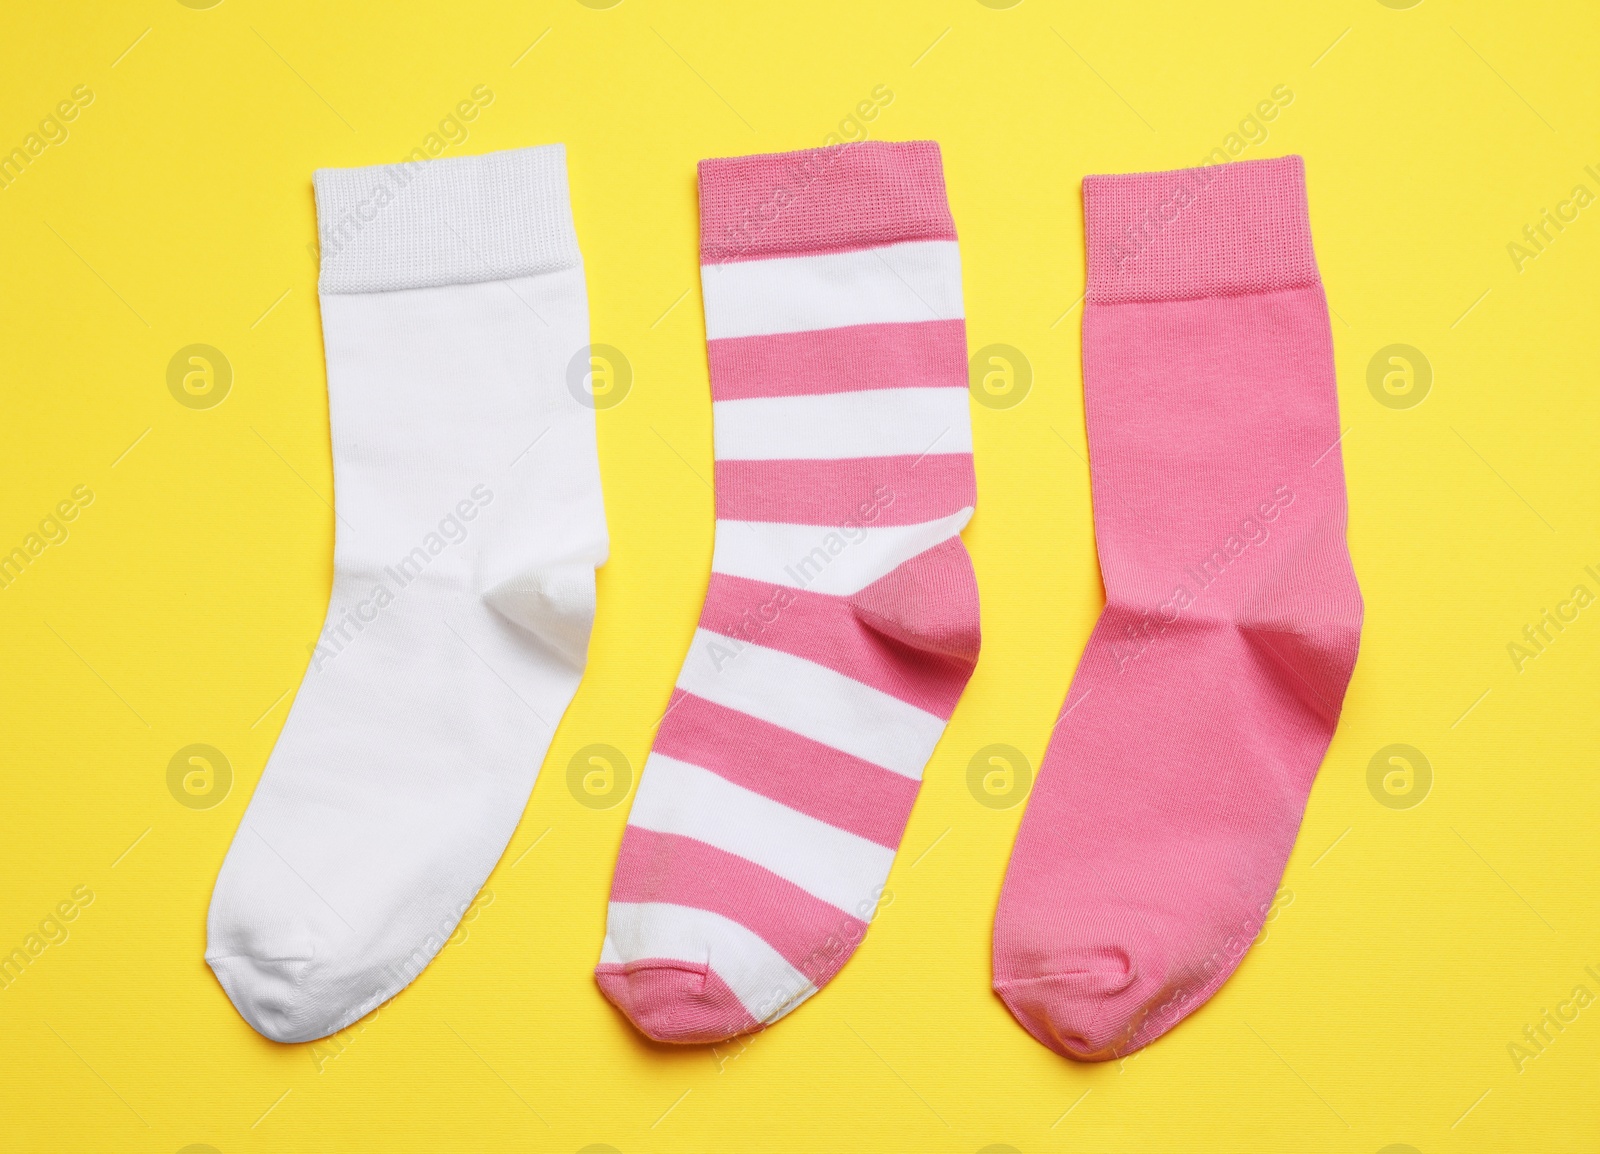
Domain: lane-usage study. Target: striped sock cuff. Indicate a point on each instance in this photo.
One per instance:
(844, 196)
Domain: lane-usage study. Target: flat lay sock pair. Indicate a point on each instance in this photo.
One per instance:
(841, 622)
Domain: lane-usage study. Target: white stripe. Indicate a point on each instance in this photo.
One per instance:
(768, 986)
(835, 865)
(918, 280)
(825, 560)
(811, 700)
(833, 426)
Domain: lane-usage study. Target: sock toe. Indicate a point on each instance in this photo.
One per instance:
(266, 992)
(1090, 1007)
(675, 1002)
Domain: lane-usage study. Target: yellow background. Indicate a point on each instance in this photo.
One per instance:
(1411, 946)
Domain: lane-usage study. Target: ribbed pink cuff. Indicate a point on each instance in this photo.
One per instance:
(845, 196)
(1220, 230)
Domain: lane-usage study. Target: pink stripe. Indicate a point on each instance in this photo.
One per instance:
(825, 629)
(814, 779)
(851, 492)
(811, 935)
(845, 196)
(672, 1001)
(914, 354)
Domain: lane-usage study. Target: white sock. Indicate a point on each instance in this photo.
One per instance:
(469, 527)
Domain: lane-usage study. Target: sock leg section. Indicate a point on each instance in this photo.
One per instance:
(841, 623)
(452, 302)
(1177, 775)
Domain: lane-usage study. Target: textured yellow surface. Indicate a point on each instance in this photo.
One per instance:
(1432, 911)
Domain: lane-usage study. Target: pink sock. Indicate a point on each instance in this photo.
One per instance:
(841, 623)
(1178, 772)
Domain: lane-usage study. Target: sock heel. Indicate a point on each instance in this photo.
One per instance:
(929, 603)
(1312, 637)
(554, 603)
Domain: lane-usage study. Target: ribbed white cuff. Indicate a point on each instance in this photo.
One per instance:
(418, 224)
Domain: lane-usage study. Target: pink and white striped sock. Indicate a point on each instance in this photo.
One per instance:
(841, 623)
